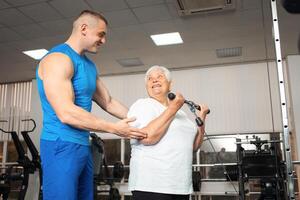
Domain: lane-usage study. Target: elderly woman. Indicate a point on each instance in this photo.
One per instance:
(161, 164)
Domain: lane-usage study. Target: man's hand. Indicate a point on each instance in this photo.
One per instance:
(126, 131)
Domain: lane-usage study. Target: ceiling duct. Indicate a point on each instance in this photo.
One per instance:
(130, 62)
(192, 7)
(229, 52)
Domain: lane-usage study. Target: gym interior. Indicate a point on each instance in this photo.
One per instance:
(240, 57)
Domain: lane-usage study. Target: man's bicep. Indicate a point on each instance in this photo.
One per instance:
(59, 92)
(57, 71)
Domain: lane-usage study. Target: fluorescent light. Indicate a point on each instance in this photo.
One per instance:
(37, 54)
(167, 39)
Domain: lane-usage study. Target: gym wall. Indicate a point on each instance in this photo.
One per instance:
(293, 73)
(242, 98)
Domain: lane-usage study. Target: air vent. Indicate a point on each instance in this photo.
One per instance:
(130, 62)
(229, 52)
(191, 7)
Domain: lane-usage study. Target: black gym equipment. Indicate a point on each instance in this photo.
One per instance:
(118, 171)
(265, 165)
(102, 175)
(196, 178)
(23, 162)
(24, 168)
(36, 160)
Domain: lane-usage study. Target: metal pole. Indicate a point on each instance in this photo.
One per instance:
(285, 124)
(240, 169)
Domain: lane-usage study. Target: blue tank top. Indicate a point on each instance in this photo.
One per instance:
(84, 86)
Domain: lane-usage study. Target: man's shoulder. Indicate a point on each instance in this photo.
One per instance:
(55, 57)
(58, 48)
(56, 61)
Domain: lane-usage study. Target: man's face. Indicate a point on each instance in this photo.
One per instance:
(157, 84)
(96, 36)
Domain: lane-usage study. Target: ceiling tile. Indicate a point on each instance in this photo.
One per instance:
(57, 27)
(69, 11)
(173, 10)
(24, 2)
(251, 4)
(6, 47)
(152, 13)
(13, 17)
(253, 17)
(140, 3)
(40, 12)
(160, 27)
(131, 37)
(30, 31)
(7, 35)
(20, 45)
(105, 5)
(15, 56)
(3, 4)
(124, 33)
(121, 18)
(48, 42)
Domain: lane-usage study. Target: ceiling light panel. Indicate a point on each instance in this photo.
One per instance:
(167, 39)
(36, 54)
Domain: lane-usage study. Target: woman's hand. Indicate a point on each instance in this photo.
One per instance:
(177, 102)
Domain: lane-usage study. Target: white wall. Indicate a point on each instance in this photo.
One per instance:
(293, 63)
(243, 98)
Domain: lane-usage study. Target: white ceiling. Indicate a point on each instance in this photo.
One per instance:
(31, 24)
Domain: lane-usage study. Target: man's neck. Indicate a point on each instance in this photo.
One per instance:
(74, 43)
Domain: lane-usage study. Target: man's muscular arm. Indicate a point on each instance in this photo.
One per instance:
(56, 71)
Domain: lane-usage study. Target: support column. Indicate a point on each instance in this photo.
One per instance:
(285, 124)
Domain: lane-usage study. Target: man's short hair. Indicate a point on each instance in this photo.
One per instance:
(163, 69)
(93, 13)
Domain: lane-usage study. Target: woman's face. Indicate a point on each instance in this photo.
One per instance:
(157, 84)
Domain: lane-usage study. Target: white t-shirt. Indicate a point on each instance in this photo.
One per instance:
(165, 167)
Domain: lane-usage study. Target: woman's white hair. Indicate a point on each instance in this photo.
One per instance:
(163, 69)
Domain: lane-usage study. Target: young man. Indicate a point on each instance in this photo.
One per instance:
(68, 83)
